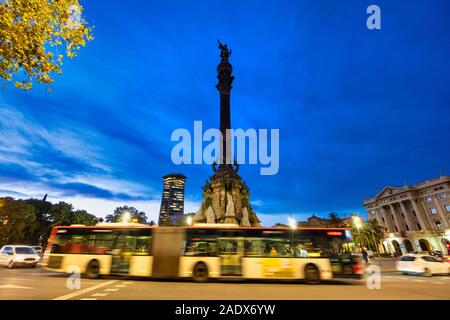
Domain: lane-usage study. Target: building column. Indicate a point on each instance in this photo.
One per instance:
(441, 213)
(420, 217)
(408, 217)
(387, 219)
(396, 220)
(378, 217)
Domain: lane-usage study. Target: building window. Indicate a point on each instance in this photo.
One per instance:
(385, 221)
(442, 196)
(396, 229)
(392, 218)
(438, 225)
(433, 210)
(403, 215)
(414, 213)
(428, 199)
(407, 228)
(447, 207)
(419, 227)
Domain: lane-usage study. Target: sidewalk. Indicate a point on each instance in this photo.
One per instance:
(387, 264)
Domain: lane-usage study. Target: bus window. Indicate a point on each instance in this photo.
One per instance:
(199, 247)
(267, 247)
(254, 247)
(230, 246)
(137, 245)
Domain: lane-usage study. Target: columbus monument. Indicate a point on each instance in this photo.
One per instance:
(225, 194)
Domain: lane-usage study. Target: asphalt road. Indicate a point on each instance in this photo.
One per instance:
(42, 285)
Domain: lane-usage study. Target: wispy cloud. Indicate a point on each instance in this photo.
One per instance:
(62, 159)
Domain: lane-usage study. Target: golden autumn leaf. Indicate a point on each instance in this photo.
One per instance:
(35, 35)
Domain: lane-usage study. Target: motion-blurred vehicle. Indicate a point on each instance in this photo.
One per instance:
(37, 249)
(347, 265)
(438, 254)
(18, 255)
(422, 264)
(200, 252)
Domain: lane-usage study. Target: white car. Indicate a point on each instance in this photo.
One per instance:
(18, 255)
(37, 249)
(422, 264)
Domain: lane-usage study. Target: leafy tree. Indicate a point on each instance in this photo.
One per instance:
(135, 215)
(61, 214)
(83, 217)
(36, 35)
(18, 222)
(30, 221)
(43, 217)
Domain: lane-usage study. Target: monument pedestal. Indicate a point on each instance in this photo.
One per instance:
(226, 199)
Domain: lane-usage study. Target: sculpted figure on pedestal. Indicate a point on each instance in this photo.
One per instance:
(210, 215)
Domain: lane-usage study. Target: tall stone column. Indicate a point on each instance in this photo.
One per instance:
(379, 215)
(396, 219)
(224, 70)
(408, 217)
(442, 216)
(388, 220)
(419, 213)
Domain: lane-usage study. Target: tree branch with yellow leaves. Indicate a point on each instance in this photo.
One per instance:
(35, 36)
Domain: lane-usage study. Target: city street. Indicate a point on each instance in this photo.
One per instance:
(40, 284)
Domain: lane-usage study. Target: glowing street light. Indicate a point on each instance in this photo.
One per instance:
(357, 222)
(292, 223)
(126, 216)
(189, 220)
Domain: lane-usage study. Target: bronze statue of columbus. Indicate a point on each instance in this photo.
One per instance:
(224, 52)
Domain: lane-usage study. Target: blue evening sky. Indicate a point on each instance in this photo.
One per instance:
(357, 109)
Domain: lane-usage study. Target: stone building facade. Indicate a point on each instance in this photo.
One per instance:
(318, 222)
(414, 217)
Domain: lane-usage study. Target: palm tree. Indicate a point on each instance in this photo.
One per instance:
(376, 230)
(368, 234)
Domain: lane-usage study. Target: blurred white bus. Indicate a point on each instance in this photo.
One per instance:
(198, 252)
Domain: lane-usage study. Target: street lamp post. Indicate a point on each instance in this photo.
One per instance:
(293, 225)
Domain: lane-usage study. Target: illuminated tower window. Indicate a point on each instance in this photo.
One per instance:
(172, 202)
